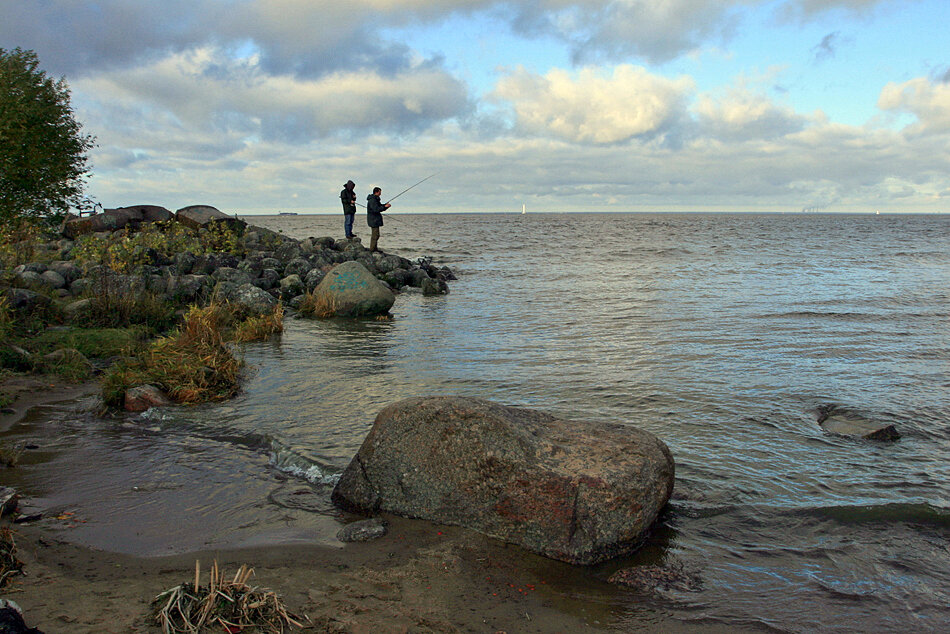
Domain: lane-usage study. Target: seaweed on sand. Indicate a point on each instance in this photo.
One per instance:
(231, 606)
(10, 564)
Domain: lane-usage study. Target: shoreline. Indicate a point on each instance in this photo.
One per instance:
(420, 577)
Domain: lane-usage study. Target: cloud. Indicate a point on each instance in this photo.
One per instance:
(209, 91)
(591, 107)
(929, 102)
(742, 115)
(826, 48)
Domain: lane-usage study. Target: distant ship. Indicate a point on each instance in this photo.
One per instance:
(286, 213)
(522, 208)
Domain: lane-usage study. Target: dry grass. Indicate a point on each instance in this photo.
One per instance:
(231, 606)
(259, 328)
(192, 365)
(318, 305)
(10, 565)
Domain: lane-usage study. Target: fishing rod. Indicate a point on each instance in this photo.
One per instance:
(408, 188)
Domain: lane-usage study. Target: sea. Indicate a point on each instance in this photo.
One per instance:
(727, 335)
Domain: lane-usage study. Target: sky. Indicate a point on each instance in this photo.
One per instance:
(261, 106)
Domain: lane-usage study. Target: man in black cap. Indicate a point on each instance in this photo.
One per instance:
(348, 196)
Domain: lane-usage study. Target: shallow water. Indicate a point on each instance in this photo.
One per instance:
(723, 334)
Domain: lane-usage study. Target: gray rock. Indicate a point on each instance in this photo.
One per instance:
(352, 291)
(269, 279)
(291, 286)
(417, 277)
(298, 266)
(68, 270)
(30, 279)
(363, 530)
(77, 309)
(252, 300)
(9, 498)
(80, 286)
(185, 262)
(189, 288)
(272, 263)
(24, 300)
(288, 251)
(232, 275)
(52, 279)
(33, 267)
(199, 216)
(389, 263)
(398, 278)
(432, 286)
(839, 420)
(313, 279)
(579, 492)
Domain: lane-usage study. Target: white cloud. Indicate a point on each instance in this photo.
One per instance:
(743, 115)
(206, 90)
(591, 107)
(927, 101)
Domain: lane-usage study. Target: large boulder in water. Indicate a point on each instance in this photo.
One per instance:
(350, 290)
(575, 491)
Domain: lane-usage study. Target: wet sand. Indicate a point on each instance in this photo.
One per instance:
(420, 577)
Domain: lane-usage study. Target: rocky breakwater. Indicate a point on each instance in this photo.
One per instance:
(580, 492)
(257, 267)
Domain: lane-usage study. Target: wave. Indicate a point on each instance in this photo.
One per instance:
(294, 464)
(917, 513)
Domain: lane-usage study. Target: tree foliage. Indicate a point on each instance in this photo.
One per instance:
(43, 152)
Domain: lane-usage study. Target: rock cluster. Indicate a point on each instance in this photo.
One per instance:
(580, 492)
(273, 266)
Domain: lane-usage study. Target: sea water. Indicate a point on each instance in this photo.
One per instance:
(723, 334)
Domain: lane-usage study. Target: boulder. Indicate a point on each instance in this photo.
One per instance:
(579, 492)
(292, 286)
(252, 301)
(352, 291)
(24, 300)
(53, 280)
(198, 216)
(141, 398)
(149, 213)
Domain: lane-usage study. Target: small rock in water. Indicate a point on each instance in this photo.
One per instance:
(9, 499)
(838, 420)
(362, 531)
(652, 578)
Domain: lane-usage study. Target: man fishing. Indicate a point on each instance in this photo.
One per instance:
(348, 196)
(374, 215)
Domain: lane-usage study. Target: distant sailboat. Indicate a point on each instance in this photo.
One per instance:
(522, 208)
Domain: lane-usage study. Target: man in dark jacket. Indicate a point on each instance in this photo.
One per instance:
(348, 196)
(374, 215)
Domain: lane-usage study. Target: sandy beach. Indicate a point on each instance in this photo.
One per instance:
(420, 577)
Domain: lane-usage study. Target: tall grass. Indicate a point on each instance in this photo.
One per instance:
(319, 305)
(194, 364)
(261, 327)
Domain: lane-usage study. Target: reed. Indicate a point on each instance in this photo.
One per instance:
(230, 604)
(261, 327)
(192, 365)
(318, 305)
(10, 564)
